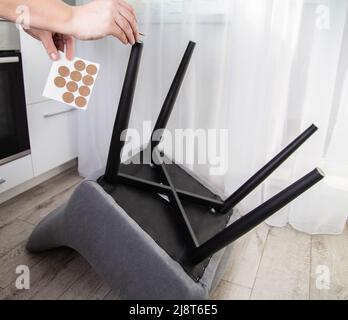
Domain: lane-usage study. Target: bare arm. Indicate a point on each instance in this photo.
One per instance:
(95, 20)
(50, 15)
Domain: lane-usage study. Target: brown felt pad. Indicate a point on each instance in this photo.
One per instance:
(91, 69)
(79, 65)
(72, 86)
(80, 102)
(59, 82)
(76, 76)
(68, 97)
(84, 91)
(88, 80)
(64, 71)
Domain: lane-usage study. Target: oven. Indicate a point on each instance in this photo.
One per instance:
(14, 136)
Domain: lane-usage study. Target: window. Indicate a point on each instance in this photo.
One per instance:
(174, 11)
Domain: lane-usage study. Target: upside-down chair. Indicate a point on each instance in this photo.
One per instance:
(155, 230)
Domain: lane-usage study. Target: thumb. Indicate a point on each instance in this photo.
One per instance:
(48, 43)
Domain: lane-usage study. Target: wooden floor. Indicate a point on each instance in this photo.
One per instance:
(267, 263)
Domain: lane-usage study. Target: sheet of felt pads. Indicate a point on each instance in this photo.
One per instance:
(71, 82)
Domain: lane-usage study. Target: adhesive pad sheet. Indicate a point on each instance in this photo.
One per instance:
(71, 82)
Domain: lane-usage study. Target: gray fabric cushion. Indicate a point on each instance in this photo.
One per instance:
(119, 250)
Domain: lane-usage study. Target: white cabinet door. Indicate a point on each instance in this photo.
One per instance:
(36, 66)
(16, 172)
(53, 135)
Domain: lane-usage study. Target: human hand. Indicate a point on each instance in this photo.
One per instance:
(54, 42)
(101, 18)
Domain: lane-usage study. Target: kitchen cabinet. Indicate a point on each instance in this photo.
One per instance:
(53, 135)
(36, 66)
(15, 173)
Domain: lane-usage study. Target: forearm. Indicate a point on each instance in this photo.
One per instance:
(51, 15)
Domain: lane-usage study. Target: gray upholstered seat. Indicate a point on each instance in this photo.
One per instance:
(127, 258)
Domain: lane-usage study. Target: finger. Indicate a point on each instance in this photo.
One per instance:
(129, 8)
(69, 47)
(125, 26)
(117, 32)
(50, 47)
(131, 20)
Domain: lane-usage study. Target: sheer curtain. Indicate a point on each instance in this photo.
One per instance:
(263, 69)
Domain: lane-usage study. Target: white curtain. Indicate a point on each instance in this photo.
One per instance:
(263, 69)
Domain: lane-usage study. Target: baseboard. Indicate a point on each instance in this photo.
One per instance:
(7, 195)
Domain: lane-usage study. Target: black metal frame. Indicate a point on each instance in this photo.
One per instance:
(198, 252)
